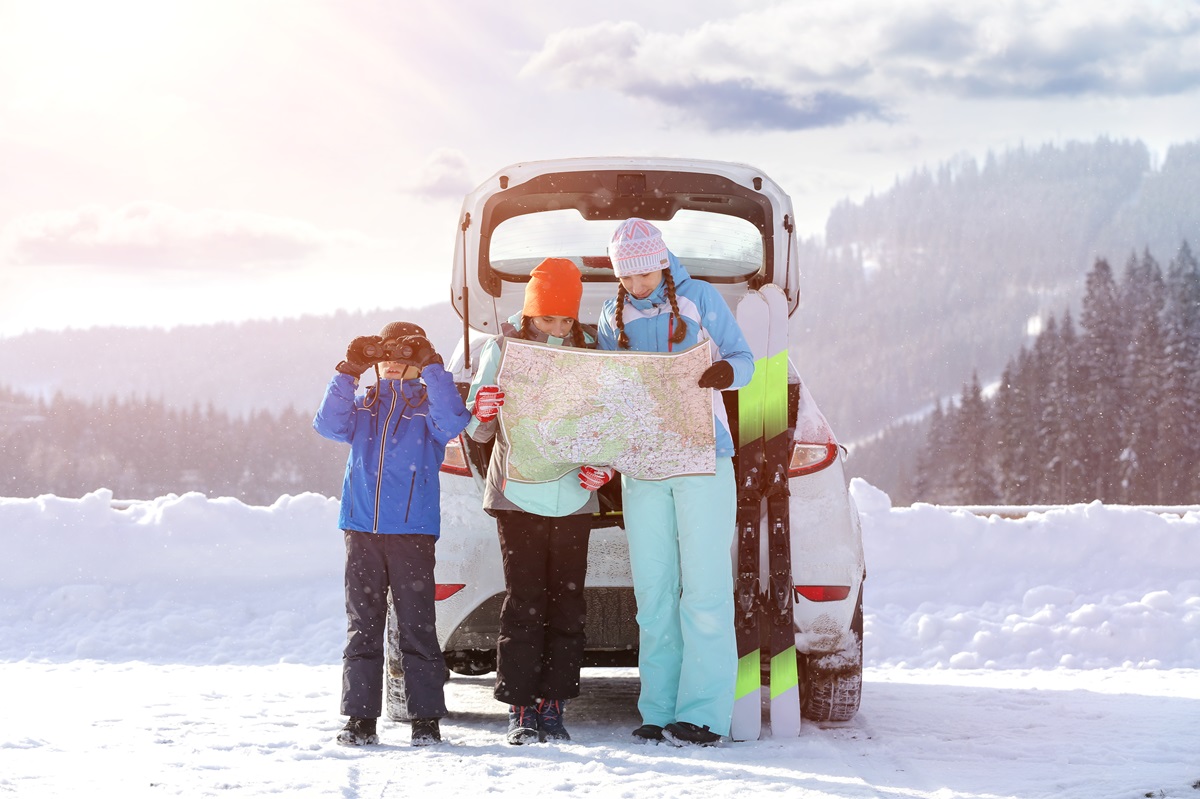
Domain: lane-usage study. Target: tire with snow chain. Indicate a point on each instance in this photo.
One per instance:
(830, 695)
(393, 684)
(831, 684)
(396, 700)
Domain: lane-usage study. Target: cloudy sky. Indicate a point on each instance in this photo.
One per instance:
(208, 160)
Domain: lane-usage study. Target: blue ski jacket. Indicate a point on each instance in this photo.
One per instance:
(649, 323)
(397, 435)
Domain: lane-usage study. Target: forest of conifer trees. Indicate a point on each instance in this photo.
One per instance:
(141, 449)
(1109, 411)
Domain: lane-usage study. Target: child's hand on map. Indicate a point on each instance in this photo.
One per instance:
(592, 477)
(718, 376)
(487, 403)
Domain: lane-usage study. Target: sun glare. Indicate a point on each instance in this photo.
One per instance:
(67, 54)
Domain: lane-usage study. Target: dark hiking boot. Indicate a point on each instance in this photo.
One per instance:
(425, 732)
(550, 719)
(523, 725)
(358, 732)
(648, 734)
(682, 733)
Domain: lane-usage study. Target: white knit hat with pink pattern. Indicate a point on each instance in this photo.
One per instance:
(637, 248)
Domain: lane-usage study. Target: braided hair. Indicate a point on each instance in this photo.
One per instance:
(681, 328)
(680, 323)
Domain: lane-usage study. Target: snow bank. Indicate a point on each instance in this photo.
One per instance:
(191, 580)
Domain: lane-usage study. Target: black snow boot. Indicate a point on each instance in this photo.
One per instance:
(358, 732)
(550, 719)
(682, 733)
(523, 725)
(425, 732)
(648, 734)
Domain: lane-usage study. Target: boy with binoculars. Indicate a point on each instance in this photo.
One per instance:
(391, 518)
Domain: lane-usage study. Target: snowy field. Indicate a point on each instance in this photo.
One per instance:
(191, 647)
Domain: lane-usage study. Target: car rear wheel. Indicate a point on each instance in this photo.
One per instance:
(831, 684)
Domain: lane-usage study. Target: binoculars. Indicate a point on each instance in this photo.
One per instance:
(414, 350)
(389, 351)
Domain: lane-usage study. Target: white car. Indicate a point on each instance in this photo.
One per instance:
(729, 224)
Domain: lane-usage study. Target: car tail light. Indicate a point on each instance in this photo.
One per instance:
(821, 593)
(446, 590)
(809, 458)
(455, 460)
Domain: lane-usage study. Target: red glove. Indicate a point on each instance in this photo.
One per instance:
(488, 400)
(592, 478)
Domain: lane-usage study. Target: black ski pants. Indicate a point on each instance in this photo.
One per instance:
(404, 563)
(540, 647)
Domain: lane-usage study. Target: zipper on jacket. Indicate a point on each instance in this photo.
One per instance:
(379, 475)
(411, 487)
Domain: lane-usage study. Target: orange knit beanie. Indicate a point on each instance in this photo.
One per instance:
(554, 289)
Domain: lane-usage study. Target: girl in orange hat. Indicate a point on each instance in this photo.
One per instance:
(543, 528)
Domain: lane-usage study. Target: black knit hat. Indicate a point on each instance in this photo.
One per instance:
(394, 330)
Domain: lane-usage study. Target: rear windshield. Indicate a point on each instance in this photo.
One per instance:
(717, 247)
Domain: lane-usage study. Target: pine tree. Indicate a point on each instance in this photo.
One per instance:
(1143, 297)
(931, 480)
(1013, 434)
(975, 484)
(1072, 483)
(1102, 350)
(1043, 379)
(1180, 419)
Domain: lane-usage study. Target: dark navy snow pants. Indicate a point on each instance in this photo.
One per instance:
(540, 646)
(404, 563)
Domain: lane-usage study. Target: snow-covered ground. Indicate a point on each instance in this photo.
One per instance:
(191, 647)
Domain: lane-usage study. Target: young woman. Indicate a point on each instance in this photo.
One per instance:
(543, 529)
(680, 529)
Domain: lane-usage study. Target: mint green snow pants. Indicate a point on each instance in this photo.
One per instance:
(681, 534)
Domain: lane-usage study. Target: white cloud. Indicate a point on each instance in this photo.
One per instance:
(445, 173)
(140, 235)
(597, 55)
(807, 65)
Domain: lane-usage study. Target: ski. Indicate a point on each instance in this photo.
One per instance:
(752, 317)
(778, 430)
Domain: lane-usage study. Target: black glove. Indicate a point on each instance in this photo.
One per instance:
(422, 352)
(365, 349)
(718, 376)
(357, 360)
